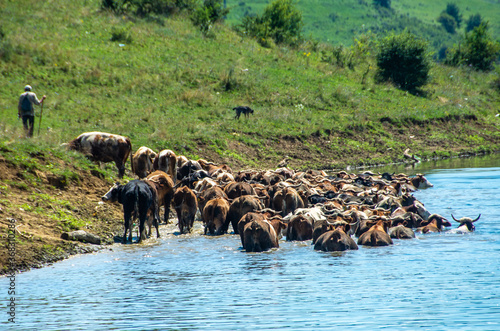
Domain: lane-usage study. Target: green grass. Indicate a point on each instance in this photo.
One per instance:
(170, 87)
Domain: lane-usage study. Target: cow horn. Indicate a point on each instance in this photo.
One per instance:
(476, 218)
(456, 219)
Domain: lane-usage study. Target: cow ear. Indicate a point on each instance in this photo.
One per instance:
(347, 227)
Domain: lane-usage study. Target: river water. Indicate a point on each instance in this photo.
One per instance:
(193, 282)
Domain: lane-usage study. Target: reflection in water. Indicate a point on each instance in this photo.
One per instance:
(188, 282)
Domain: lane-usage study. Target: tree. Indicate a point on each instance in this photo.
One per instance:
(403, 59)
(453, 11)
(281, 21)
(477, 50)
(285, 21)
(472, 22)
(448, 22)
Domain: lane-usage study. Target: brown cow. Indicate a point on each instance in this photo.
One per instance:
(165, 188)
(435, 223)
(401, 232)
(287, 200)
(275, 222)
(239, 207)
(166, 161)
(142, 161)
(376, 235)
(319, 228)
(299, 228)
(237, 189)
(336, 240)
(211, 168)
(209, 194)
(420, 182)
(104, 147)
(185, 205)
(247, 218)
(215, 215)
(259, 236)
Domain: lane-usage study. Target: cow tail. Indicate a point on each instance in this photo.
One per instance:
(129, 144)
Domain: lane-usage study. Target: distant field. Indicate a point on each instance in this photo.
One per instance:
(338, 22)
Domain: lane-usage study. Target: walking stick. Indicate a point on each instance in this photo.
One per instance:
(40, 124)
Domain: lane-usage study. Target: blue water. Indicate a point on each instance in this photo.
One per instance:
(192, 282)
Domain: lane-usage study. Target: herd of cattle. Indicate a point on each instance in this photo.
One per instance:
(260, 206)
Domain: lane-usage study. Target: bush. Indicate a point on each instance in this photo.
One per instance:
(403, 60)
(147, 7)
(477, 50)
(448, 22)
(383, 3)
(204, 16)
(281, 21)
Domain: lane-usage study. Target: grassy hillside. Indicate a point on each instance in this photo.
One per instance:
(172, 88)
(337, 22)
(165, 85)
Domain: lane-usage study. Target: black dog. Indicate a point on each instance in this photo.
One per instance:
(242, 109)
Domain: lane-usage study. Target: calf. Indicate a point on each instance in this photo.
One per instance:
(137, 197)
(185, 205)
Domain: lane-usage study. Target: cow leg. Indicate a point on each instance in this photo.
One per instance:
(127, 215)
(167, 201)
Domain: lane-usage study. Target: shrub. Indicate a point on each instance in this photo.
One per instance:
(477, 50)
(403, 60)
(448, 22)
(281, 21)
(121, 34)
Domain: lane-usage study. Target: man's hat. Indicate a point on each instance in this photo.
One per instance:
(27, 88)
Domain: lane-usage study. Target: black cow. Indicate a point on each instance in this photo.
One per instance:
(137, 196)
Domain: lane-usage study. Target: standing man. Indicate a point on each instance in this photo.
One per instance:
(25, 109)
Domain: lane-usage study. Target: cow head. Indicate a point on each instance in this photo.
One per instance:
(468, 222)
(113, 194)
